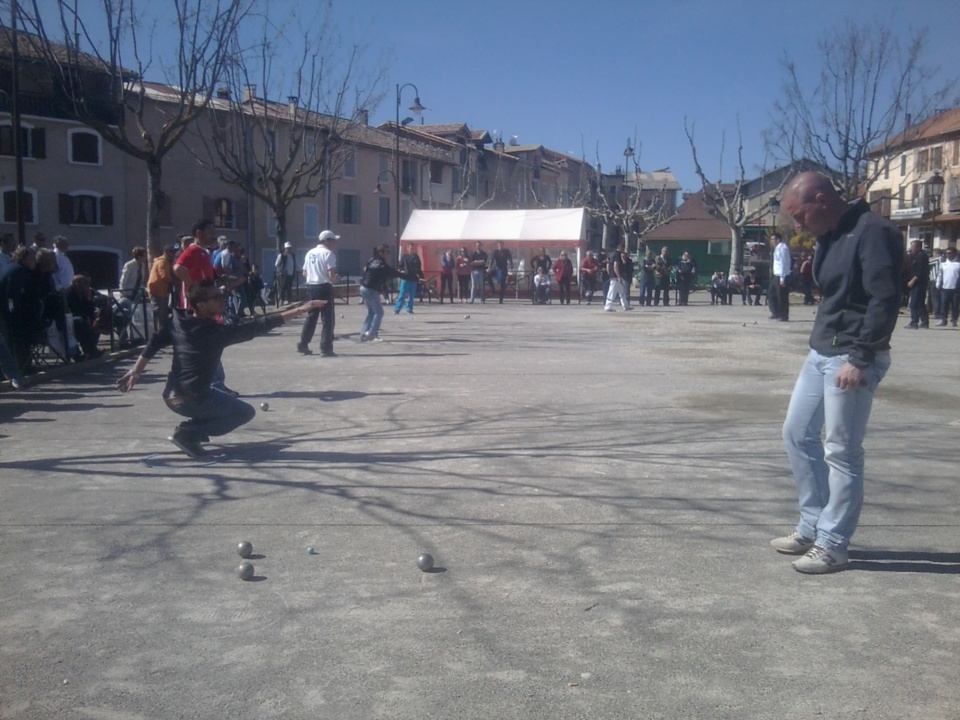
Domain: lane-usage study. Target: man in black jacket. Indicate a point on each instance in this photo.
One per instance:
(917, 284)
(858, 266)
(198, 342)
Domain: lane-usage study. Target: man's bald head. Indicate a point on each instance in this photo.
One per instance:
(813, 203)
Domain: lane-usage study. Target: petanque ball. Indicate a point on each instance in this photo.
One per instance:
(466, 317)
(425, 562)
(245, 570)
(245, 549)
(311, 551)
(264, 406)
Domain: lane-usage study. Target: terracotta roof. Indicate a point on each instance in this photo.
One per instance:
(445, 129)
(693, 221)
(31, 47)
(935, 126)
(521, 148)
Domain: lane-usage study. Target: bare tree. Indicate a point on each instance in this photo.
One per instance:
(726, 201)
(112, 37)
(281, 150)
(869, 90)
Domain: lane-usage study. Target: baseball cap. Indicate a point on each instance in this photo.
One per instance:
(288, 245)
(328, 235)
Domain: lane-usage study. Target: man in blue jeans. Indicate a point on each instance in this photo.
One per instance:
(858, 266)
(410, 267)
(198, 342)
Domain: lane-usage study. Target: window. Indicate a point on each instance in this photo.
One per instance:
(384, 211)
(28, 205)
(85, 207)
(718, 247)
(915, 194)
(936, 158)
(457, 180)
(33, 141)
(886, 169)
(348, 209)
(83, 147)
(350, 164)
(309, 148)
(270, 140)
(903, 165)
(902, 198)
(383, 164)
(405, 211)
(955, 160)
(224, 213)
(923, 161)
(311, 221)
(408, 177)
(880, 202)
(436, 172)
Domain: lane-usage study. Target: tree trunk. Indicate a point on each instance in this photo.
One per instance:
(155, 200)
(736, 249)
(280, 213)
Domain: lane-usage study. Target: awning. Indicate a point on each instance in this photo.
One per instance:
(552, 228)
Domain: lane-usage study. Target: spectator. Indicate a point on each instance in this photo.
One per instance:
(541, 286)
(39, 241)
(735, 286)
(806, 279)
(255, 287)
(563, 274)
(648, 268)
(410, 267)
(134, 275)
(376, 274)
(285, 272)
(8, 243)
(752, 288)
(63, 277)
(662, 268)
(718, 289)
(463, 275)
(949, 288)
(478, 273)
(83, 309)
(21, 307)
(448, 264)
(588, 276)
(160, 286)
(686, 278)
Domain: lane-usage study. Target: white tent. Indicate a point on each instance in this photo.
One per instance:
(523, 232)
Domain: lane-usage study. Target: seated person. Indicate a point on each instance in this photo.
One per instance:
(718, 289)
(735, 287)
(752, 288)
(541, 285)
(83, 307)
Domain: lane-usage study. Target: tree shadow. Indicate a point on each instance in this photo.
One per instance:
(905, 561)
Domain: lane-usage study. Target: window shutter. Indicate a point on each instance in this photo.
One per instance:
(356, 209)
(340, 207)
(38, 139)
(241, 209)
(209, 208)
(106, 210)
(66, 208)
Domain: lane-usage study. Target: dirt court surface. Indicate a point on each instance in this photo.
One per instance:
(598, 490)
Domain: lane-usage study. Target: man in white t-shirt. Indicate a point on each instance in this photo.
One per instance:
(320, 273)
(778, 292)
(64, 274)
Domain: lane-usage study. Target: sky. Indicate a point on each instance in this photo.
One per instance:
(580, 77)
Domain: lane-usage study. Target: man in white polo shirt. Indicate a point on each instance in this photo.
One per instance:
(320, 272)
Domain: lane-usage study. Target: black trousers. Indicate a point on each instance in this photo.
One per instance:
(778, 299)
(326, 314)
(564, 288)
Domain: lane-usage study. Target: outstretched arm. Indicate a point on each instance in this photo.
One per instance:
(130, 378)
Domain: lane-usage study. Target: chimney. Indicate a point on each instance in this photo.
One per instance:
(498, 145)
(223, 93)
(249, 93)
(292, 101)
(363, 117)
(907, 121)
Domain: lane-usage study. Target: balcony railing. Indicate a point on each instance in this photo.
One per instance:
(47, 106)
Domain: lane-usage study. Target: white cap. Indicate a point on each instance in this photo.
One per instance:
(288, 245)
(327, 235)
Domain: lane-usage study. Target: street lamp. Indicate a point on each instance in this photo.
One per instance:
(774, 206)
(627, 154)
(935, 192)
(416, 109)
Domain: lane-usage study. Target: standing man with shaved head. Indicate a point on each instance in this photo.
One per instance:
(858, 266)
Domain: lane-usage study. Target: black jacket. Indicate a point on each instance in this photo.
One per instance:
(859, 268)
(376, 275)
(198, 344)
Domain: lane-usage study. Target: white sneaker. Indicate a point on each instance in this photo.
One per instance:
(792, 544)
(609, 309)
(819, 561)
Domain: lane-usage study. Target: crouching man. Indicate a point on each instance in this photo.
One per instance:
(198, 341)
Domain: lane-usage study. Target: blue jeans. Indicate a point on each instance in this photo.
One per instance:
(216, 413)
(371, 298)
(407, 290)
(476, 285)
(829, 473)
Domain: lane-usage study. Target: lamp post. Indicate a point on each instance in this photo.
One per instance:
(935, 192)
(627, 154)
(774, 205)
(416, 109)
